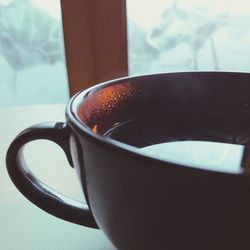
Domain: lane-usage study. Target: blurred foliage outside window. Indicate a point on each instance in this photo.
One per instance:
(188, 35)
(32, 59)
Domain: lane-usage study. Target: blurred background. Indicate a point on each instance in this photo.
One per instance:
(32, 58)
(162, 36)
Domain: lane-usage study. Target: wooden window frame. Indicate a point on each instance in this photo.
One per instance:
(95, 37)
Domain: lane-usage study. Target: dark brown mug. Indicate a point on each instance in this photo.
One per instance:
(141, 202)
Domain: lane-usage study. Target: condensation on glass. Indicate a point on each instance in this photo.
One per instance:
(32, 58)
(188, 35)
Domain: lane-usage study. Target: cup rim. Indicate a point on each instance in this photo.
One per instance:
(129, 149)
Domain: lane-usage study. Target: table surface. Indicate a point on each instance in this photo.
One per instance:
(23, 226)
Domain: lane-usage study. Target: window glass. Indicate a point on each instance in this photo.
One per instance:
(188, 35)
(32, 58)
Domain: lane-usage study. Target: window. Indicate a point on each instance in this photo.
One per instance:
(32, 60)
(188, 35)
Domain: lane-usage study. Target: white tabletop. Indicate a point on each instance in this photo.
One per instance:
(23, 226)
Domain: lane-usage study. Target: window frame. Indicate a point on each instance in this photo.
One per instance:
(95, 37)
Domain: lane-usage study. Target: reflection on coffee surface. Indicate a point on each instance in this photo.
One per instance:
(216, 156)
(168, 144)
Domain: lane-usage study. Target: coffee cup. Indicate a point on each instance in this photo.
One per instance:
(139, 201)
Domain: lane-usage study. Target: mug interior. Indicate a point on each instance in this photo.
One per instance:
(153, 109)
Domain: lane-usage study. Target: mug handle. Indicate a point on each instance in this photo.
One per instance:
(36, 191)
